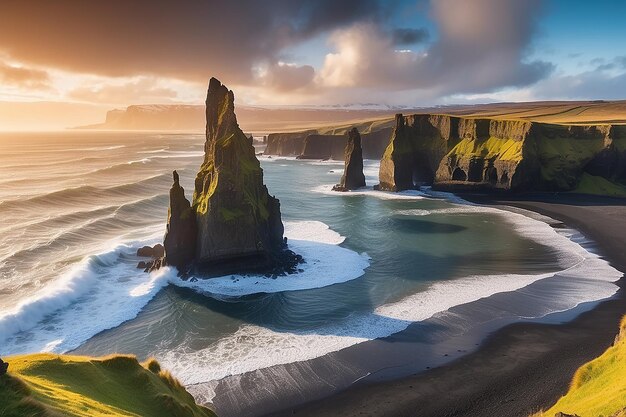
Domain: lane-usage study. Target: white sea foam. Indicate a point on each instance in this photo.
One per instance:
(325, 264)
(102, 291)
(584, 277)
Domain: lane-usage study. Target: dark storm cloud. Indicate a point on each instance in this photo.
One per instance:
(408, 36)
(185, 39)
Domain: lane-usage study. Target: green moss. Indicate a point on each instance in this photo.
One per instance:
(230, 215)
(590, 184)
(563, 158)
(76, 386)
(502, 149)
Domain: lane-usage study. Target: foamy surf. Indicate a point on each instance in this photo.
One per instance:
(585, 277)
(105, 290)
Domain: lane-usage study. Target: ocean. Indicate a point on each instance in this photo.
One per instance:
(75, 207)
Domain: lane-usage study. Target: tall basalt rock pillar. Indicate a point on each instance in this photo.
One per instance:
(353, 176)
(236, 217)
(180, 238)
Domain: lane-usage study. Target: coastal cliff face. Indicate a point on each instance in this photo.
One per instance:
(286, 144)
(352, 177)
(457, 153)
(323, 147)
(311, 144)
(235, 215)
(418, 144)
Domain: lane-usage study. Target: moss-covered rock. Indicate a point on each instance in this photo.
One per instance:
(458, 153)
(353, 176)
(238, 222)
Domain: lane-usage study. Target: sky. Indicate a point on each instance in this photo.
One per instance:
(96, 54)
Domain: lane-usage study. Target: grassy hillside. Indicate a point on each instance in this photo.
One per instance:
(598, 387)
(49, 385)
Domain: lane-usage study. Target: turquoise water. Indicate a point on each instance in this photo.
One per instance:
(77, 205)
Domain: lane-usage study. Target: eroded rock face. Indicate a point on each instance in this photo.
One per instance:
(460, 154)
(311, 145)
(352, 177)
(3, 367)
(236, 218)
(418, 144)
(180, 237)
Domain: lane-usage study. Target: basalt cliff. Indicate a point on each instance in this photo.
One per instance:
(232, 224)
(458, 154)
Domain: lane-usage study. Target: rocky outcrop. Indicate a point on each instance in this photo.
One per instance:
(238, 223)
(312, 145)
(323, 147)
(457, 154)
(352, 177)
(156, 251)
(286, 144)
(180, 237)
(418, 144)
(3, 367)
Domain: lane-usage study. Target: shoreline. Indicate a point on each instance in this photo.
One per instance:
(513, 371)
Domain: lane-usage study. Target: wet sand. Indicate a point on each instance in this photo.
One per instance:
(520, 368)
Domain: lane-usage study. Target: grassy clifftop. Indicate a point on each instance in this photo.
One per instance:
(49, 385)
(598, 387)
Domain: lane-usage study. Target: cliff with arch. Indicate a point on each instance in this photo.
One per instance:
(461, 154)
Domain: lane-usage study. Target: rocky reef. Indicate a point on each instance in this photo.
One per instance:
(458, 154)
(352, 177)
(232, 224)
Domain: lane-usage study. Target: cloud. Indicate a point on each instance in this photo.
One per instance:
(284, 77)
(142, 90)
(29, 78)
(589, 85)
(408, 36)
(482, 46)
(186, 39)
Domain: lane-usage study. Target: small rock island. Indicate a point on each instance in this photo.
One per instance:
(233, 224)
(353, 176)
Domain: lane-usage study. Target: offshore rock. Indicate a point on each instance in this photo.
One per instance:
(180, 237)
(238, 224)
(352, 177)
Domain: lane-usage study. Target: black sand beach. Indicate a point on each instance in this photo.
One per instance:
(521, 368)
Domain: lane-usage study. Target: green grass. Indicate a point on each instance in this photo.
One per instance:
(77, 386)
(598, 387)
(590, 184)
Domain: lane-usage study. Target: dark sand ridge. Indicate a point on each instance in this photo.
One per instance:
(521, 368)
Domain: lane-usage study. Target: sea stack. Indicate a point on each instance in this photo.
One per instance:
(180, 237)
(352, 177)
(237, 224)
